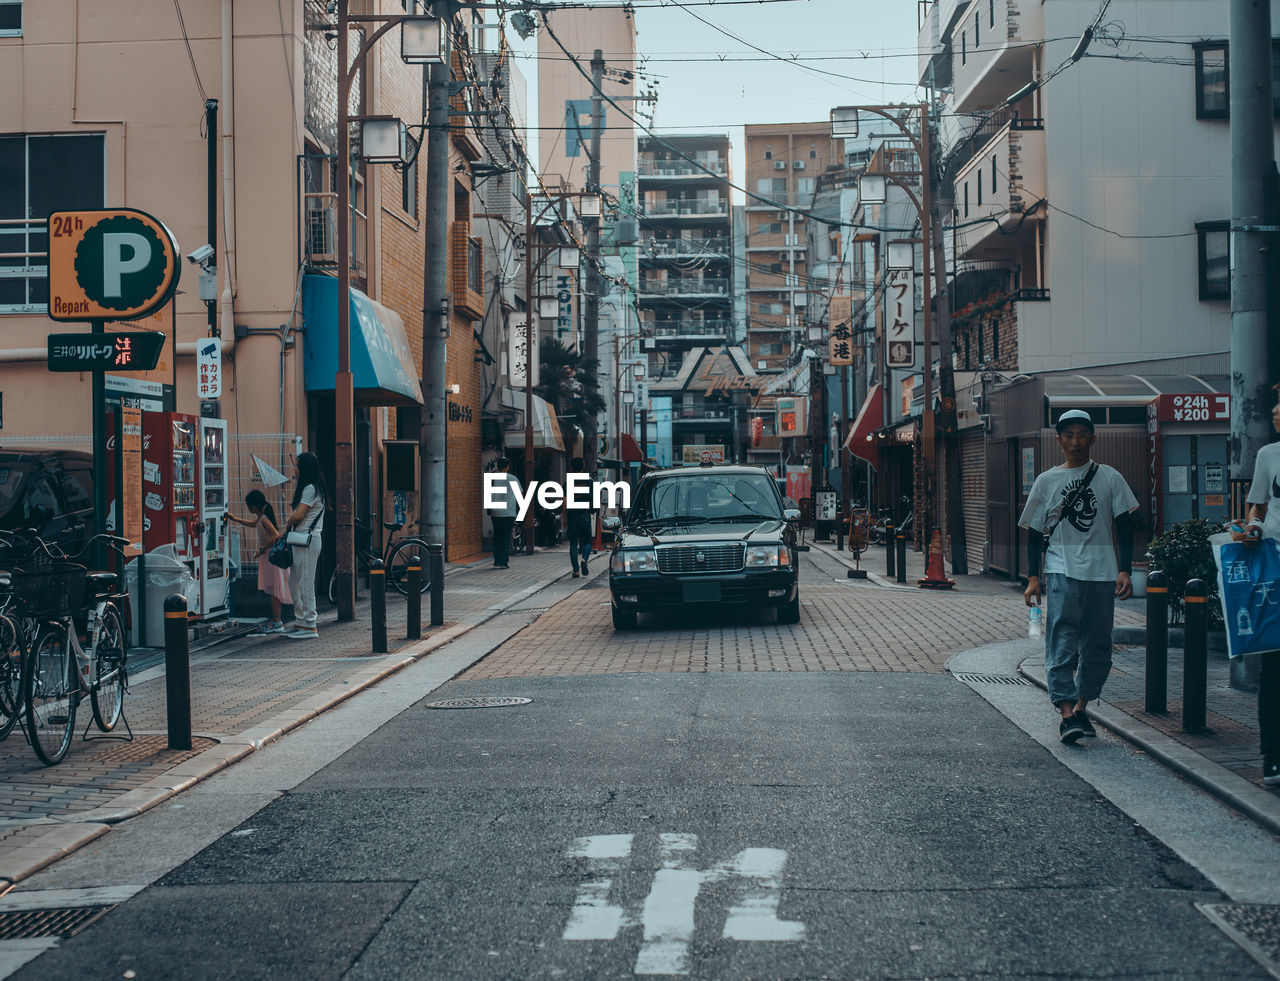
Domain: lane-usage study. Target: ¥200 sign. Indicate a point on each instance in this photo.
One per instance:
(116, 264)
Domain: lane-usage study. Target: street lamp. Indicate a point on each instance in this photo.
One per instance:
(422, 41)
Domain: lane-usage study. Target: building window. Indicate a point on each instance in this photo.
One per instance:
(979, 183)
(1213, 247)
(982, 357)
(968, 365)
(966, 199)
(1211, 81)
(813, 154)
(10, 18)
(964, 47)
(409, 189)
(38, 175)
(768, 154)
(991, 11)
(993, 173)
(995, 340)
(977, 40)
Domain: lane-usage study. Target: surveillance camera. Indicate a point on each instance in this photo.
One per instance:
(201, 254)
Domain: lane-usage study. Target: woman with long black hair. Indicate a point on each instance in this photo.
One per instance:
(308, 517)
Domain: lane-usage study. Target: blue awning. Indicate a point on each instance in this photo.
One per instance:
(382, 366)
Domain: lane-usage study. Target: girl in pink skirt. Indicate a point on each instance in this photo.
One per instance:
(272, 580)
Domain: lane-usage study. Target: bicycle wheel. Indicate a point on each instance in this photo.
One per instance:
(10, 675)
(109, 678)
(50, 694)
(333, 588)
(398, 565)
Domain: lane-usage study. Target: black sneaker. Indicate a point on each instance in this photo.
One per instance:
(1271, 771)
(584, 567)
(1070, 730)
(1088, 730)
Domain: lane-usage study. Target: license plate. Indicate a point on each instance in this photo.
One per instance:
(702, 592)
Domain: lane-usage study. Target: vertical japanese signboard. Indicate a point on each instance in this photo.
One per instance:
(900, 330)
(840, 319)
(209, 368)
(519, 362)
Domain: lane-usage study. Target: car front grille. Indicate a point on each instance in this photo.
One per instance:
(701, 558)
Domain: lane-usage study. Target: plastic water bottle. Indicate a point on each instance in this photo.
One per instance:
(1035, 622)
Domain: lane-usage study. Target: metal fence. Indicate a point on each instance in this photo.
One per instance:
(276, 450)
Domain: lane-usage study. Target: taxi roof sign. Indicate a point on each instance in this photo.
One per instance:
(115, 264)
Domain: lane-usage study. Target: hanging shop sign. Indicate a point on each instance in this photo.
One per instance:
(118, 264)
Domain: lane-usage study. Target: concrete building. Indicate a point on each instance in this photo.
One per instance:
(783, 162)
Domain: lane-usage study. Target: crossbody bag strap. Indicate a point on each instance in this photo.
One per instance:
(1070, 502)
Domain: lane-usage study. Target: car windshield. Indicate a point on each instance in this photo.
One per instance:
(11, 477)
(707, 497)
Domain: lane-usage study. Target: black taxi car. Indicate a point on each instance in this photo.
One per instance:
(704, 535)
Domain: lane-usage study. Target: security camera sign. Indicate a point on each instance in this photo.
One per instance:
(119, 264)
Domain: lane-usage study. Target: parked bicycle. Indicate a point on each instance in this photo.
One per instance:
(396, 553)
(878, 530)
(54, 603)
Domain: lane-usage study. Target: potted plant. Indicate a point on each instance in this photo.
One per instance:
(1183, 553)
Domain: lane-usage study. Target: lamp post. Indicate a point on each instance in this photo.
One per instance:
(647, 343)
(549, 202)
(872, 189)
(422, 41)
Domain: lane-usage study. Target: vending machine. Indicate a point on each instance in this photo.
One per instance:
(170, 476)
(213, 571)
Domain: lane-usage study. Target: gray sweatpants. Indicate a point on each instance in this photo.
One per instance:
(1078, 616)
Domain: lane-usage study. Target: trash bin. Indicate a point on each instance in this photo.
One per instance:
(166, 574)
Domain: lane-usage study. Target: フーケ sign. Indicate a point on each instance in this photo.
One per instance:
(118, 264)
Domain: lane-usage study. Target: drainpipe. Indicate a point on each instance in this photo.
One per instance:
(228, 172)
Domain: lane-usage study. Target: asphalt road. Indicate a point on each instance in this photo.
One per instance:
(709, 825)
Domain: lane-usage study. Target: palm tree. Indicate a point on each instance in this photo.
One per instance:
(569, 384)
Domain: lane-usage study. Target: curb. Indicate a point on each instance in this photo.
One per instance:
(872, 577)
(1251, 800)
(57, 839)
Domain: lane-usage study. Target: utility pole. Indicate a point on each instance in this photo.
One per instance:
(211, 128)
(946, 374)
(435, 292)
(591, 340)
(1252, 160)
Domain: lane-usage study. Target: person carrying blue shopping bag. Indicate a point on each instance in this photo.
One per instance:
(1249, 581)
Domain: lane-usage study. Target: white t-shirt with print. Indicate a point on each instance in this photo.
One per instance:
(1266, 487)
(1083, 544)
(312, 499)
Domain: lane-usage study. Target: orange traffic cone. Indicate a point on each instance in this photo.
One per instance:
(935, 575)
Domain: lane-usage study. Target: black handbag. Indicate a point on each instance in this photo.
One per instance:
(281, 554)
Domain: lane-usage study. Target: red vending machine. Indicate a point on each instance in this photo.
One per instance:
(171, 475)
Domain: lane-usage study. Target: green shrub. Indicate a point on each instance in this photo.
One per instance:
(1183, 553)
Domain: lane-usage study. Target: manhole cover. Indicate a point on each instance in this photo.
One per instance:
(1256, 928)
(29, 924)
(479, 702)
(992, 679)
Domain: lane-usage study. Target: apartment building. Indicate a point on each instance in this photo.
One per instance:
(783, 162)
(685, 246)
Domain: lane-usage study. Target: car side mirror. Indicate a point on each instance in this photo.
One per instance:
(611, 524)
(791, 514)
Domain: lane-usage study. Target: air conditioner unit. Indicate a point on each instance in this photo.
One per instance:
(798, 164)
(801, 299)
(779, 165)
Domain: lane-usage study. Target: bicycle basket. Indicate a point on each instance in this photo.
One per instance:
(55, 589)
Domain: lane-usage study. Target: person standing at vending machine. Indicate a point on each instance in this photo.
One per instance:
(272, 580)
(308, 518)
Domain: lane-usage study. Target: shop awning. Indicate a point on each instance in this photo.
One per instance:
(861, 439)
(546, 428)
(382, 365)
(631, 449)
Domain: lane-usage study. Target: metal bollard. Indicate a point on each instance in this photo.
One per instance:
(177, 671)
(839, 531)
(378, 605)
(1195, 681)
(902, 556)
(435, 569)
(888, 549)
(413, 584)
(1157, 670)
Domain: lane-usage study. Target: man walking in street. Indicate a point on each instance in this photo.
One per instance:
(1077, 514)
(577, 527)
(504, 516)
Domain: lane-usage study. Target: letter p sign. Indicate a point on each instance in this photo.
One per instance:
(109, 265)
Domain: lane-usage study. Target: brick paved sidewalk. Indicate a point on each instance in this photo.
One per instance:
(245, 691)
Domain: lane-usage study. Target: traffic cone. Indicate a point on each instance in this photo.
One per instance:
(935, 575)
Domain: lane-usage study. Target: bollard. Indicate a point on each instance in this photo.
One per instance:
(1157, 642)
(1195, 681)
(888, 549)
(413, 584)
(435, 569)
(902, 556)
(177, 671)
(839, 531)
(378, 605)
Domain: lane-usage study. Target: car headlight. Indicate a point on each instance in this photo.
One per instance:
(768, 557)
(634, 560)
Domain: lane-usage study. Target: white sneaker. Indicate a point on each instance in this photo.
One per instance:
(301, 634)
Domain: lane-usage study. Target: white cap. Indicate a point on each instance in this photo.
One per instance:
(1075, 415)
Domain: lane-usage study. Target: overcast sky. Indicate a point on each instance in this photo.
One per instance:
(853, 52)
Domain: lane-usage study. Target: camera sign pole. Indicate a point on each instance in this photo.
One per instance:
(116, 264)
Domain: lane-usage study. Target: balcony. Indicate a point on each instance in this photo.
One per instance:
(975, 143)
(684, 287)
(1000, 182)
(691, 248)
(689, 208)
(992, 50)
(683, 168)
(691, 329)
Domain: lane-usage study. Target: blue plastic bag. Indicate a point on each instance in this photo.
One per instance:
(1249, 585)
